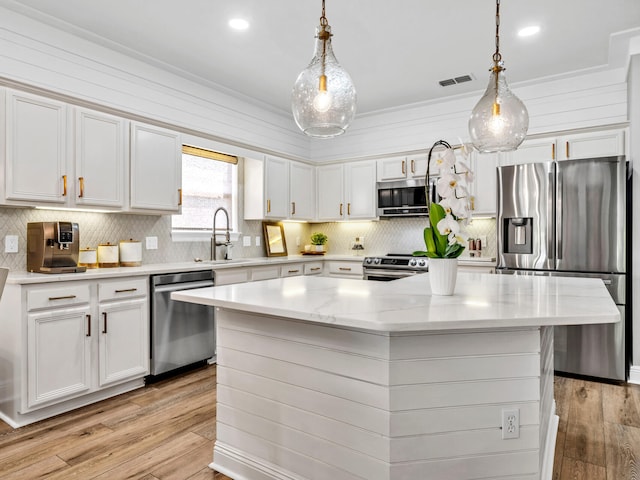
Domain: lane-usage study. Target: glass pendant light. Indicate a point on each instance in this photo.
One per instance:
(499, 121)
(323, 98)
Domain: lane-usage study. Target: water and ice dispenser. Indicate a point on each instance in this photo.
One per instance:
(518, 235)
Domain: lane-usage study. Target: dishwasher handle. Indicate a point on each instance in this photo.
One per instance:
(174, 287)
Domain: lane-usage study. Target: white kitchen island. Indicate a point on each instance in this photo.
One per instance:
(324, 378)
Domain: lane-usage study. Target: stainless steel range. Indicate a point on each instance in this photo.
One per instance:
(393, 266)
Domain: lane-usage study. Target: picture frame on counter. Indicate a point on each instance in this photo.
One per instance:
(274, 240)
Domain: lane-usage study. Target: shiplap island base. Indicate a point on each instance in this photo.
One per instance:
(325, 378)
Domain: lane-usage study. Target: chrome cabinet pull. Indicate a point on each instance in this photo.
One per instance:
(66, 297)
(104, 316)
(88, 325)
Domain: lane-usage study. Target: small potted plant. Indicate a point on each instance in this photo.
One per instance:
(319, 239)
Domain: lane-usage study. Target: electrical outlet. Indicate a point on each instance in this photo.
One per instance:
(151, 243)
(11, 244)
(297, 241)
(510, 423)
(257, 241)
(246, 241)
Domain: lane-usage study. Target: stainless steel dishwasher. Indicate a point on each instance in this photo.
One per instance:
(181, 333)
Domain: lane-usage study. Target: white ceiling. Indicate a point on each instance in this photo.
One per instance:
(395, 51)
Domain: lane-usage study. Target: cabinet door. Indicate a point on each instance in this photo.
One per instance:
(100, 159)
(330, 183)
(483, 189)
(58, 355)
(392, 169)
(156, 168)
(124, 341)
(276, 188)
(302, 191)
(360, 190)
(417, 166)
(36, 131)
(532, 151)
(591, 144)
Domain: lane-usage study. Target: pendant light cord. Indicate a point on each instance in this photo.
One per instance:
(324, 36)
(497, 57)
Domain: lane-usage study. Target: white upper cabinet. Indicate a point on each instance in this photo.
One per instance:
(483, 188)
(302, 192)
(276, 187)
(574, 146)
(347, 191)
(592, 144)
(401, 168)
(101, 142)
(360, 190)
(330, 181)
(279, 189)
(156, 169)
(36, 149)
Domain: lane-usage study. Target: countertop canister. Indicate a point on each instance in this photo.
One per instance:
(107, 255)
(88, 257)
(130, 253)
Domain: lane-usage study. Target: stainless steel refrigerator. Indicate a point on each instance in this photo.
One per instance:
(568, 218)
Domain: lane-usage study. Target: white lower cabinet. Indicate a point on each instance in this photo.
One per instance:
(59, 355)
(344, 269)
(123, 335)
(83, 337)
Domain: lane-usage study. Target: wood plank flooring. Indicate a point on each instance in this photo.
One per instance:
(166, 431)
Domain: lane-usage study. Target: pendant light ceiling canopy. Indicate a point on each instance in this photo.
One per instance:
(323, 100)
(499, 121)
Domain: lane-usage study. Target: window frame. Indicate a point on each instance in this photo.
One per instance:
(204, 235)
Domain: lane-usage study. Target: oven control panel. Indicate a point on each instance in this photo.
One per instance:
(407, 262)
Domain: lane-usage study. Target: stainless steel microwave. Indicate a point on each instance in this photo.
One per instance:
(402, 199)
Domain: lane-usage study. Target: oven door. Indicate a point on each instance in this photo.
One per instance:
(387, 274)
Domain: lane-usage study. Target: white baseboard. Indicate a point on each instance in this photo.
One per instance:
(634, 374)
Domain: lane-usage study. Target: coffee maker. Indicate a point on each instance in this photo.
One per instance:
(52, 247)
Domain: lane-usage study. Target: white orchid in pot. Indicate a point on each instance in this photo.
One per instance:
(444, 236)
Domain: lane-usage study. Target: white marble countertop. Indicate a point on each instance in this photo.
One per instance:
(25, 278)
(479, 301)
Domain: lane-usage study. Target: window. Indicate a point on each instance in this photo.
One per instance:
(209, 181)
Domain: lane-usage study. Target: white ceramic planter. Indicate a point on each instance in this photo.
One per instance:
(442, 275)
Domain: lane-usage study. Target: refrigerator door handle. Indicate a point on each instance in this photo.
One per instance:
(550, 214)
(558, 217)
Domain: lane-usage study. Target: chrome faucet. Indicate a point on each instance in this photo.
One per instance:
(227, 236)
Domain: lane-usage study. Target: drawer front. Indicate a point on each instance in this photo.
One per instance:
(228, 276)
(292, 269)
(265, 273)
(313, 268)
(61, 295)
(123, 288)
(345, 268)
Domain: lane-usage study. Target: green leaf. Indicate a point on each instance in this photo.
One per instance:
(429, 240)
(454, 251)
(420, 253)
(437, 213)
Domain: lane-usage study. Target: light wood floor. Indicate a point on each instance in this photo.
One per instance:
(166, 431)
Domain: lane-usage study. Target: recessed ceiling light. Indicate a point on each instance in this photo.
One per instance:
(238, 24)
(528, 31)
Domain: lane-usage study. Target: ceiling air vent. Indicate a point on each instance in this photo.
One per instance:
(455, 81)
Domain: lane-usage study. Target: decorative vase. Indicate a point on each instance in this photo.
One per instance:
(442, 275)
(319, 248)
